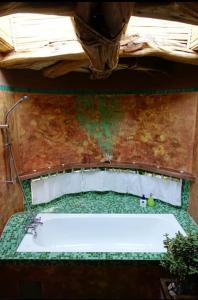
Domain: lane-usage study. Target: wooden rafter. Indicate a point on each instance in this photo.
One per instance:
(173, 11)
(50, 43)
(186, 12)
(64, 67)
(53, 8)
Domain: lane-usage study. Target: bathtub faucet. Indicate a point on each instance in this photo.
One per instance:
(35, 220)
(31, 228)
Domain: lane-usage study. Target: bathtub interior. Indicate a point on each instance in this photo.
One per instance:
(101, 233)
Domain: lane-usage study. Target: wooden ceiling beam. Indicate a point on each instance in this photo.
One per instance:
(49, 8)
(186, 12)
(64, 67)
(60, 53)
(170, 53)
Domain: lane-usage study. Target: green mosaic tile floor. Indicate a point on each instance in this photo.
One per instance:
(90, 202)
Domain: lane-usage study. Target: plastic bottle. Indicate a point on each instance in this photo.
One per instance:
(151, 201)
(143, 201)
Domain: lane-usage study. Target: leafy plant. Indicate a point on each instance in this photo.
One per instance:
(181, 259)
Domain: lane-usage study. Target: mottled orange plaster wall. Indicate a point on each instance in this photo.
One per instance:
(10, 194)
(155, 129)
(158, 129)
(50, 133)
(193, 201)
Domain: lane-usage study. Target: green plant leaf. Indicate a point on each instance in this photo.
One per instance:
(181, 259)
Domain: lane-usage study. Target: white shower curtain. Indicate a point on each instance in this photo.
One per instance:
(121, 181)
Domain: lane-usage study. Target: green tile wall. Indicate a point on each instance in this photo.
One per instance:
(104, 198)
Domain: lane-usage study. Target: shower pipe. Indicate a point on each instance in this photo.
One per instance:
(8, 143)
(10, 154)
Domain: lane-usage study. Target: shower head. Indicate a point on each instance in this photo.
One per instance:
(24, 98)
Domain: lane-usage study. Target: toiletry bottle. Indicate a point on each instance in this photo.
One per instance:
(143, 201)
(151, 201)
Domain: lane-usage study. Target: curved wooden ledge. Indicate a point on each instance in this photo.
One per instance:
(133, 166)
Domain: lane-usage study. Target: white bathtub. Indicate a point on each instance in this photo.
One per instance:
(101, 233)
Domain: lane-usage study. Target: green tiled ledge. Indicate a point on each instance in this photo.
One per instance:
(89, 202)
